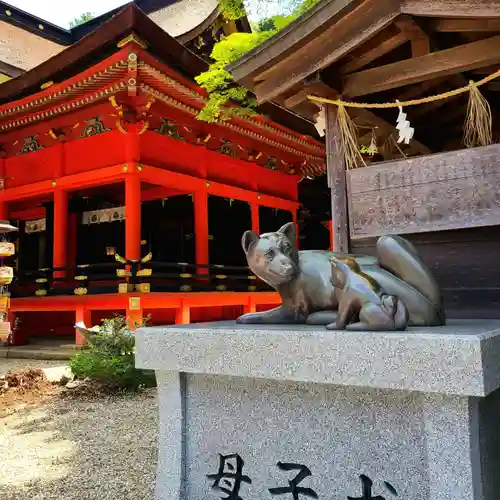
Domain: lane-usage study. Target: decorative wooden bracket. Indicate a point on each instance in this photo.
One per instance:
(132, 118)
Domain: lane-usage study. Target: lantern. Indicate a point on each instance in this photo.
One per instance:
(7, 249)
(6, 275)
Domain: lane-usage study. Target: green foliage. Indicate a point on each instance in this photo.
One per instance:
(304, 6)
(232, 9)
(109, 357)
(266, 24)
(226, 98)
(223, 93)
(86, 16)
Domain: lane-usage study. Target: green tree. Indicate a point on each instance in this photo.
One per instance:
(226, 98)
(266, 24)
(83, 18)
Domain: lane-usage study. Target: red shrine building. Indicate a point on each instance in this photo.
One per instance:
(124, 201)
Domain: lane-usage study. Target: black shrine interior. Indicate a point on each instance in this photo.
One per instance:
(167, 231)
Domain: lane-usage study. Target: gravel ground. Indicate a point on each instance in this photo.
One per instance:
(7, 364)
(85, 449)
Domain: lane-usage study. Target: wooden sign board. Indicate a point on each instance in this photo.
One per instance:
(452, 190)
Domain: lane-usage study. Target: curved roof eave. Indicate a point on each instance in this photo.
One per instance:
(100, 43)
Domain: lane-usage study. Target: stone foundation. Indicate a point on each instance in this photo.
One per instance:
(414, 413)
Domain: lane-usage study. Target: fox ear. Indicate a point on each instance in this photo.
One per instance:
(339, 273)
(289, 231)
(248, 240)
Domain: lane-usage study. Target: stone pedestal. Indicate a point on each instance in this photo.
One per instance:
(278, 411)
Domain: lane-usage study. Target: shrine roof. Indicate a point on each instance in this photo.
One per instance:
(374, 52)
(99, 44)
(29, 40)
(176, 17)
(97, 68)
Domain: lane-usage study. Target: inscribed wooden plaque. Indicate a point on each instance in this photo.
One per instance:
(453, 190)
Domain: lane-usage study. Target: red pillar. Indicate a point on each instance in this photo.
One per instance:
(134, 313)
(255, 217)
(201, 228)
(60, 230)
(59, 169)
(132, 147)
(132, 217)
(183, 314)
(331, 237)
(82, 314)
(250, 306)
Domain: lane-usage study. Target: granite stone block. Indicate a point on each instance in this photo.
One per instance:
(459, 358)
(416, 412)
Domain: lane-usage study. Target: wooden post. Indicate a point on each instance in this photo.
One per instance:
(294, 219)
(200, 199)
(337, 180)
(132, 217)
(254, 207)
(60, 252)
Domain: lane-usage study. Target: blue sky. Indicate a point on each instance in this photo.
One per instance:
(62, 12)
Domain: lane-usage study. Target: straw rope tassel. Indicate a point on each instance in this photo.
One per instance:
(478, 122)
(349, 138)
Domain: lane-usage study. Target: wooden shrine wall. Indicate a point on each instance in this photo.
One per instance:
(448, 206)
(452, 190)
(466, 264)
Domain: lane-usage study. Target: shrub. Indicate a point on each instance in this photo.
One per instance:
(108, 357)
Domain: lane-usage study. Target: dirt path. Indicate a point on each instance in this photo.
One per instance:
(7, 364)
(85, 449)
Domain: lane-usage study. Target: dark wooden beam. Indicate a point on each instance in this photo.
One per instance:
(451, 8)
(367, 20)
(420, 43)
(380, 45)
(301, 96)
(9, 70)
(487, 70)
(494, 86)
(285, 43)
(453, 115)
(360, 116)
(420, 88)
(314, 85)
(365, 116)
(423, 109)
(444, 62)
(337, 180)
(465, 25)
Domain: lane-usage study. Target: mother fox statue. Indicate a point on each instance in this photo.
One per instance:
(314, 284)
